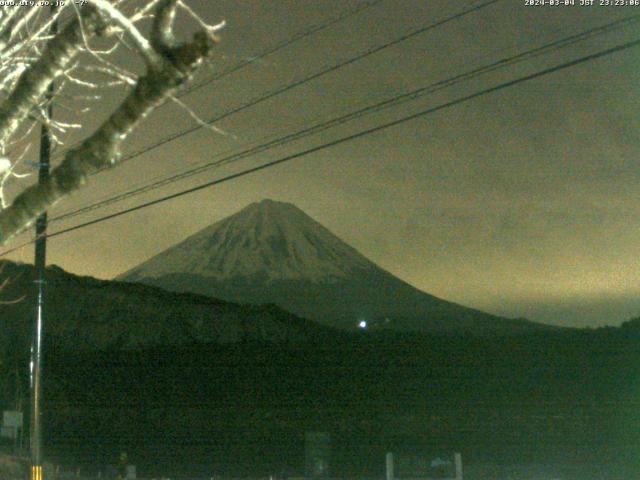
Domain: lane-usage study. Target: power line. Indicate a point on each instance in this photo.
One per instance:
(302, 81)
(301, 35)
(357, 135)
(394, 101)
(307, 79)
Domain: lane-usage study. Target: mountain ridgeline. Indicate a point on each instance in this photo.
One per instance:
(272, 252)
(188, 384)
(86, 314)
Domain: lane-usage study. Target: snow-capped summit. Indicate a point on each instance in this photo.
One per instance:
(272, 252)
(268, 240)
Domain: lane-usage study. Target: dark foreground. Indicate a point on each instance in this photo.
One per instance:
(563, 404)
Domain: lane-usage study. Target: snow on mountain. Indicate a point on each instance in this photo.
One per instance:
(268, 240)
(272, 252)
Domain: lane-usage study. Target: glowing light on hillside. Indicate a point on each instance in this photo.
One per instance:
(362, 324)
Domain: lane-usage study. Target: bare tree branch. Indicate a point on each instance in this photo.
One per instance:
(175, 66)
(34, 82)
(141, 43)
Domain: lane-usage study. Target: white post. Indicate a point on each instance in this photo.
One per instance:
(389, 462)
(458, 462)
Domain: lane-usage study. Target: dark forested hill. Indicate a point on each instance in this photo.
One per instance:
(272, 252)
(86, 313)
(186, 384)
(567, 400)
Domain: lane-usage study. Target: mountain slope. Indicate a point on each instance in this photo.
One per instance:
(272, 252)
(83, 313)
(266, 241)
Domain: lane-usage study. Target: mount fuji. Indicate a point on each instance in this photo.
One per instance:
(272, 252)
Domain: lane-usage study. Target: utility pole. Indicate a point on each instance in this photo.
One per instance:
(35, 378)
(38, 320)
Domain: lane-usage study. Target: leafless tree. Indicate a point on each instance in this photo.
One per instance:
(32, 56)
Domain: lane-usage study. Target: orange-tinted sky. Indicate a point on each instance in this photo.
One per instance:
(522, 203)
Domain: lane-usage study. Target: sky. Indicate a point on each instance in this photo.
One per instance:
(522, 203)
